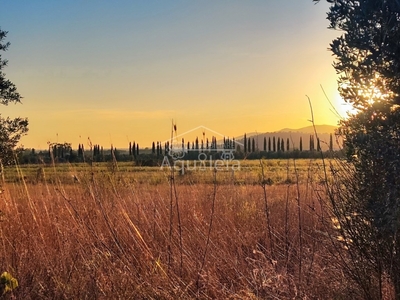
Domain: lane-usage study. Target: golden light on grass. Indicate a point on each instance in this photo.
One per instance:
(106, 236)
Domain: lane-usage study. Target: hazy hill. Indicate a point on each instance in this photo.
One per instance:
(310, 129)
(294, 136)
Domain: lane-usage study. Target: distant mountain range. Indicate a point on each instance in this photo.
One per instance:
(310, 129)
(294, 135)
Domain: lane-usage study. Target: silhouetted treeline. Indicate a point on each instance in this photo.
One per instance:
(246, 148)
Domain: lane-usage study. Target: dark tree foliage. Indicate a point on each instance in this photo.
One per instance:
(312, 143)
(273, 144)
(11, 130)
(301, 144)
(367, 205)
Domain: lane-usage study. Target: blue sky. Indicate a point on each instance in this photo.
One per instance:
(120, 71)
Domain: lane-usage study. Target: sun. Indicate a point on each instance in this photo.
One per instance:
(343, 109)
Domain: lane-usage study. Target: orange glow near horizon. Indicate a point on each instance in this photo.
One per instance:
(120, 73)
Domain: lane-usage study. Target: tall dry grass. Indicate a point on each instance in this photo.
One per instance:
(105, 237)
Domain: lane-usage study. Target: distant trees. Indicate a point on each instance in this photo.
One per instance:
(133, 149)
(272, 147)
(273, 144)
(80, 151)
(312, 144)
(97, 154)
(60, 150)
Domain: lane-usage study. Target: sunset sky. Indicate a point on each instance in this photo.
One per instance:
(120, 71)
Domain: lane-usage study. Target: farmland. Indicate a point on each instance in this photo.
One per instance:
(119, 231)
(278, 171)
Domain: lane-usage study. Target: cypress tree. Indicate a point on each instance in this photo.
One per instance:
(301, 144)
(273, 144)
(253, 146)
(245, 143)
(269, 144)
(265, 143)
(287, 144)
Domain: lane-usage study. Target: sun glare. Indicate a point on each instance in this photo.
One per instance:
(344, 109)
(370, 92)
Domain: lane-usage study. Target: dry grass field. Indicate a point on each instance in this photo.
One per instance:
(124, 232)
